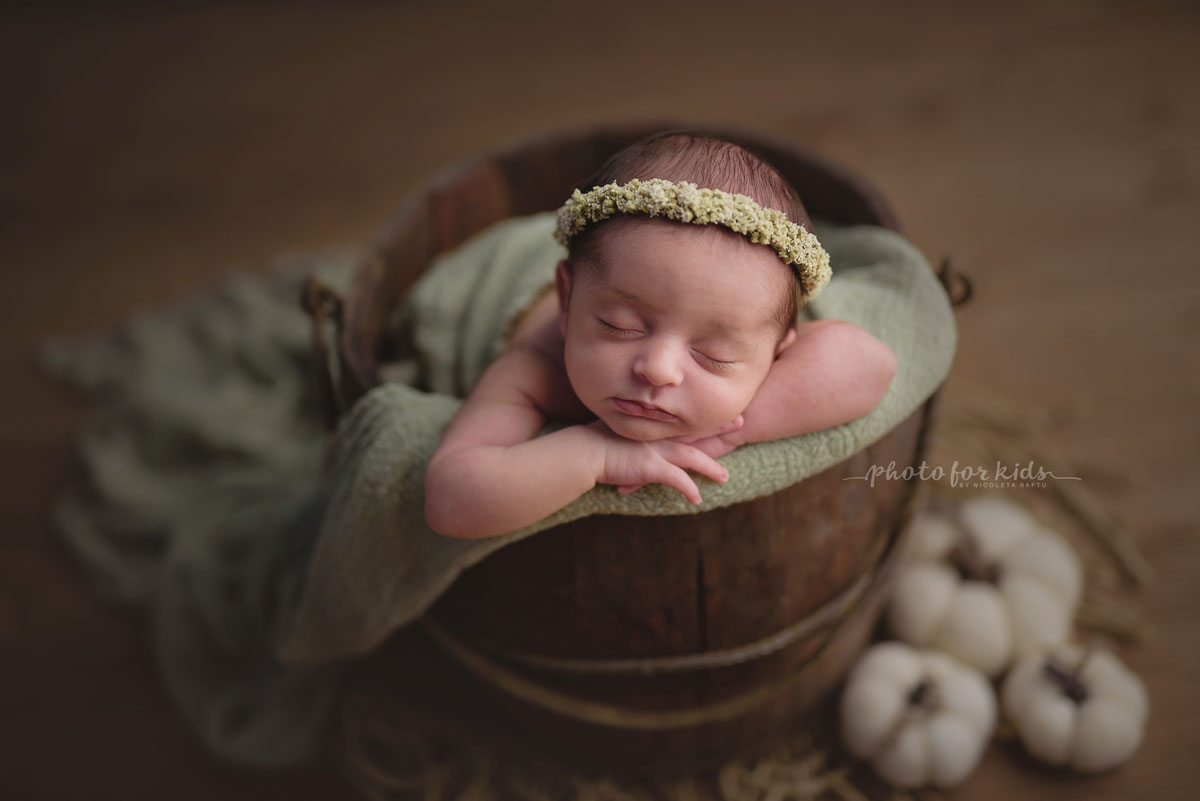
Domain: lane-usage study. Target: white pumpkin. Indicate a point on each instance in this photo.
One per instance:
(986, 586)
(918, 716)
(1079, 708)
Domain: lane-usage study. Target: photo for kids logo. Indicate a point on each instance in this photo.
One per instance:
(997, 476)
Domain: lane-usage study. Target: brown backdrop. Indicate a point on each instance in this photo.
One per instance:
(1052, 151)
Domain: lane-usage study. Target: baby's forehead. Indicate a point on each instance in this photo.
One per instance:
(656, 241)
(643, 235)
(626, 227)
(746, 272)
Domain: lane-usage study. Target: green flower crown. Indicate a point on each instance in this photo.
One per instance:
(685, 202)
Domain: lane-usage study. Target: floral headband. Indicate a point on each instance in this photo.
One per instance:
(685, 202)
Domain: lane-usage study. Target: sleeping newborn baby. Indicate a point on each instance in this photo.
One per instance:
(671, 338)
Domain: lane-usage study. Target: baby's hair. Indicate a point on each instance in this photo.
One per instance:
(707, 160)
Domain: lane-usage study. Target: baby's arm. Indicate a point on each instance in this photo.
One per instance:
(492, 474)
(834, 372)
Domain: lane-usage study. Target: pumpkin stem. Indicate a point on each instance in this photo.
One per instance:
(1068, 681)
(922, 701)
(968, 559)
(921, 694)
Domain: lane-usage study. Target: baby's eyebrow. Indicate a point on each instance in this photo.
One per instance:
(621, 294)
(722, 328)
(719, 331)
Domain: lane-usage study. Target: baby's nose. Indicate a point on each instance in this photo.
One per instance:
(658, 365)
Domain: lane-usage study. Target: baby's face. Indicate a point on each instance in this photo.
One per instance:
(676, 332)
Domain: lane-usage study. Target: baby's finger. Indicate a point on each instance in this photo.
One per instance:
(677, 478)
(714, 447)
(626, 489)
(692, 458)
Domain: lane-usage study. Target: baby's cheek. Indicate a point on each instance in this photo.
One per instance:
(744, 396)
(724, 403)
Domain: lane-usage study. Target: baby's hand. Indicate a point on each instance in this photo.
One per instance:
(630, 463)
(714, 446)
(721, 443)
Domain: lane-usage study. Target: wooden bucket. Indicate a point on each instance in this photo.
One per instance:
(640, 642)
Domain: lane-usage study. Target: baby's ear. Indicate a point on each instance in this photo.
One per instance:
(562, 284)
(787, 341)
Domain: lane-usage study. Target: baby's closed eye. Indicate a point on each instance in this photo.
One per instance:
(618, 330)
(714, 363)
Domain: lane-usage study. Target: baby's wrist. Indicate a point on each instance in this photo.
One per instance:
(593, 445)
(735, 439)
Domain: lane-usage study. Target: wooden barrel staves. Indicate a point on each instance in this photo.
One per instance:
(638, 642)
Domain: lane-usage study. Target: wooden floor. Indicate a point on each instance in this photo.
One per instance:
(1051, 148)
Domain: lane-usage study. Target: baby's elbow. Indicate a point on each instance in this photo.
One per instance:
(435, 513)
(885, 369)
(437, 518)
(878, 366)
(442, 519)
(441, 513)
